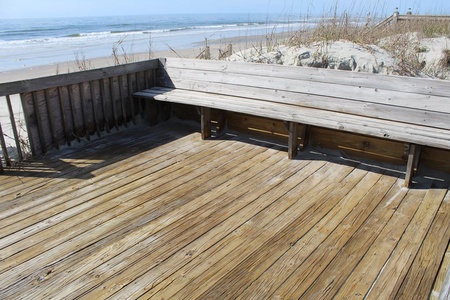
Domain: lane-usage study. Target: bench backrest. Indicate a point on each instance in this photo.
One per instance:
(411, 101)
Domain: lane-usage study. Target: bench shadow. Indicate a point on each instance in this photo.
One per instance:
(82, 160)
(424, 179)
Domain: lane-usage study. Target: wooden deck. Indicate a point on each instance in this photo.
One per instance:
(155, 212)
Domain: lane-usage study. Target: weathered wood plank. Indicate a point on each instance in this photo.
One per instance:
(30, 85)
(130, 97)
(380, 99)
(336, 273)
(244, 210)
(292, 250)
(151, 232)
(354, 145)
(423, 86)
(414, 152)
(140, 220)
(122, 101)
(106, 114)
(422, 274)
(293, 140)
(32, 195)
(84, 112)
(436, 159)
(341, 121)
(359, 283)
(442, 283)
(26, 206)
(113, 96)
(4, 148)
(51, 119)
(395, 270)
(233, 103)
(274, 221)
(94, 112)
(166, 190)
(65, 123)
(39, 122)
(28, 111)
(14, 128)
(74, 112)
(16, 263)
(407, 110)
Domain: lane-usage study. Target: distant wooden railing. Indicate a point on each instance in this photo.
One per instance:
(62, 108)
(396, 19)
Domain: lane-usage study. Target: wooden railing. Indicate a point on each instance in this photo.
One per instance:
(396, 19)
(46, 113)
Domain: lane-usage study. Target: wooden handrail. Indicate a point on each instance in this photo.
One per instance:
(23, 86)
(60, 108)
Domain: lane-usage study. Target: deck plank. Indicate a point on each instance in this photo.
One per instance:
(219, 227)
(359, 283)
(421, 276)
(153, 226)
(25, 213)
(302, 265)
(266, 226)
(396, 269)
(127, 204)
(441, 287)
(164, 214)
(341, 267)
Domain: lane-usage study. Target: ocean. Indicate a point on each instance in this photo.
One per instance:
(26, 43)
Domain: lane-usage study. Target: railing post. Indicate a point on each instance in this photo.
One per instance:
(395, 16)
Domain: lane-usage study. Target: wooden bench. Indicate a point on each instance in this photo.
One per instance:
(410, 110)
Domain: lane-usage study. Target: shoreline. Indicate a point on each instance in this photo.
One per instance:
(239, 43)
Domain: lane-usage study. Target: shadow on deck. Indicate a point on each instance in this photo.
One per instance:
(159, 213)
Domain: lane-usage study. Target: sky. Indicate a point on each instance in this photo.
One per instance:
(81, 8)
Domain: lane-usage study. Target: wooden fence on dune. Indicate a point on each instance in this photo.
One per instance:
(397, 19)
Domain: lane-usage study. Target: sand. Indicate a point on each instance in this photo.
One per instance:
(348, 56)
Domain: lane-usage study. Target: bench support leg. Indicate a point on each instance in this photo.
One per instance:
(293, 140)
(205, 120)
(304, 132)
(412, 164)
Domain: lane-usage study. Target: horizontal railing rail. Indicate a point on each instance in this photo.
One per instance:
(396, 19)
(41, 114)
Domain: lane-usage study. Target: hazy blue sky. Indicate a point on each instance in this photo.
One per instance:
(78, 8)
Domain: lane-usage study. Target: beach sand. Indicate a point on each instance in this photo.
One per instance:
(238, 43)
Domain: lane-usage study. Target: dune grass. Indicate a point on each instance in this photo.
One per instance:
(403, 39)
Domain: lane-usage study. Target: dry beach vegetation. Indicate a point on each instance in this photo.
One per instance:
(416, 47)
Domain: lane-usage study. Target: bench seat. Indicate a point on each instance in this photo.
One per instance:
(409, 110)
(409, 133)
